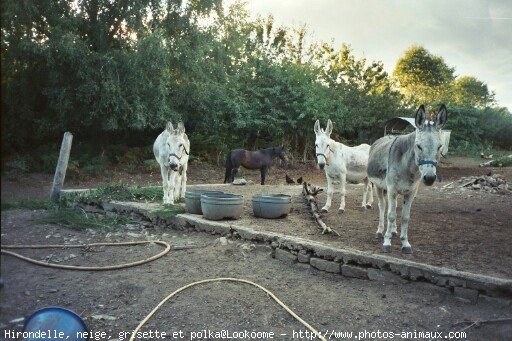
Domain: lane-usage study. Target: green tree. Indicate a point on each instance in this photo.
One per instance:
(423, 77)
(469, 91)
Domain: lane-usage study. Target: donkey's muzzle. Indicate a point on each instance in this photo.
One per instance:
(321, 165)
(173, 166)
(429, 179)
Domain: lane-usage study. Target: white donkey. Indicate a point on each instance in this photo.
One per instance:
(398, 164)
(342, 163)
(171, 149)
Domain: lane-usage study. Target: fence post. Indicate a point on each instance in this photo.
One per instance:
(62, 165)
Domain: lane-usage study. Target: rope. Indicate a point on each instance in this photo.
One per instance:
(147, 260)
(85, 268)
(227, 279)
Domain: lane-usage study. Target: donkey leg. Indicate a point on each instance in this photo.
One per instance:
(343, 184)
(330, 191)
(172, 182)
(177, 186)
(381, 198)
(369, 189)
(365, 192)
(406, 213)
(163, 170)
(183, 182)
(386, 247)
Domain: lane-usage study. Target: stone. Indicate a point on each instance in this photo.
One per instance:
(495, 301)
(325, 265)
(384, 276)
(354, 271)
(466, 295)
(284, 256)
(303, 258)
(240, 182)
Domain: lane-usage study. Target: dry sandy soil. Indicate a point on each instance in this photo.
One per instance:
(462, 229)
(329, 302)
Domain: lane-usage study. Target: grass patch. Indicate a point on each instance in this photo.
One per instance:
(504, 161)
(117, 192)
(28, 203)
(80, 220)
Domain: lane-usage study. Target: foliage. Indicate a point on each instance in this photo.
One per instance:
(27, 203)
(118, 192)
(504, 161)
(113, 73)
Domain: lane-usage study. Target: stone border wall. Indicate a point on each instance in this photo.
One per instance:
(468, 287)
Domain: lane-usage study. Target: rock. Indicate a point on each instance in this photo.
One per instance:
(104, 317)
(27, 293)
(53, 290)
(240, 182)
(303, 258)
(354, 271)
(466, 295)
(285, 256)
(324, 265)
(223, 241)
(17, 320)
(133, 235)
(71, 256)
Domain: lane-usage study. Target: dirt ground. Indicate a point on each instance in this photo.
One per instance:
(124, 297)
(457, 228)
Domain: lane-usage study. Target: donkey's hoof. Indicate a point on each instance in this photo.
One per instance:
(340, 211)
(407, 250)
(324, 210)
(368, 206)
(386, 248)
(394, 235)
(378, 235)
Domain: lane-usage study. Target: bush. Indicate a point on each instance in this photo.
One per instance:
(17, 166)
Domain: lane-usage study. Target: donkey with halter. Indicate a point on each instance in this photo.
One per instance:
(171, 149)
(342, 163)
(398, 164)
(260, 159)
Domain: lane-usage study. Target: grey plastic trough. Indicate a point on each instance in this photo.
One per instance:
(193, 200)
(271, 206)
(218, 206)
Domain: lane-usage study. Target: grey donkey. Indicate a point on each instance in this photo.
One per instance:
(397, 165)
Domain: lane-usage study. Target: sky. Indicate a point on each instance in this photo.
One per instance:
(474, 36)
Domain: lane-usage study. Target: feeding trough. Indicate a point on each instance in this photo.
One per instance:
(217, 206)
(193, 200)
(271, 206)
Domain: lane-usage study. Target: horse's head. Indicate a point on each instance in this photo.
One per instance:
(281, 153)
(322, 143)
(176, 145)
(428, 143)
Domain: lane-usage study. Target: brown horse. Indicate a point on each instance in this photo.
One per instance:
(260, 159)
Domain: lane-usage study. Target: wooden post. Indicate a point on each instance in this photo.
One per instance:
(62, 165)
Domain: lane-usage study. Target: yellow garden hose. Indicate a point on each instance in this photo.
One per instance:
(227, 279)
(85, 268)
(126, 265)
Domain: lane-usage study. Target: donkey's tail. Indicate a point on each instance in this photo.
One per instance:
(229, 168)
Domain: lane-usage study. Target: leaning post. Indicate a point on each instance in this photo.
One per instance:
(62, 165)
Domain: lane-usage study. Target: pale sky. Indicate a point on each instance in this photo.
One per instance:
(474, 36)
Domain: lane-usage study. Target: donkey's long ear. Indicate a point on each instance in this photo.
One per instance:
(421, 116)
(328, 129)
(181, 128)
(442, 116)
(169, 127)
(317, 127)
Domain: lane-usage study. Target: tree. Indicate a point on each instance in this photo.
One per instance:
(469, 91)
(423, 77)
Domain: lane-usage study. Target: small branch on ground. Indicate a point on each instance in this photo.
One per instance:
(310, 192)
